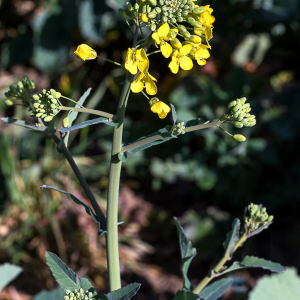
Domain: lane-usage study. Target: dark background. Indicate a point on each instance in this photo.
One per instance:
(205, 178)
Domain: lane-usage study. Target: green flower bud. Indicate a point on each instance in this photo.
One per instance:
(176, 43)
(250, 117)
(173, 20)
(231, 104)
(185, 13)
(122, 13)
(194, 39)
(8, 102)
(36, 105)
(197, 24)
(153, 2)
(20, 84)
(251, 124)
(32, 84)
(238, 124)
(35, 97)
(129, 6)
(152, 15)
(270, 219)
(81, 291)
(244, 121)
(257, 213)
(243, 100)
(158, 10)
(181, 28)
(186, 34)
(239, 138)
(13, 90)
(180, 19)
(165, 19)
(161, 2)
(152, 27)
(66, 297)
(136, 6)
(9, 94)
(191, 20)
(44, 91)
(172, 34)
(54, 101)
(39, 115)
(198, 10)
(90, 295)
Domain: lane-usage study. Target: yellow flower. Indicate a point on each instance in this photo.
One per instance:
(179, 58)
(160, 38)
(144, 80)
(144, 18)
(206, 19)
(201, 54)
(159, 107)
(85, 52)
(136, 59)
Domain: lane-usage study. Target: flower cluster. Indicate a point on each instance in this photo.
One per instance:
(257, 218)
(46, 105)
(178, 129)
(78, 295)
(239, 114)
(20, 95)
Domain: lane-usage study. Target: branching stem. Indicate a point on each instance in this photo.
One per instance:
(90, 111)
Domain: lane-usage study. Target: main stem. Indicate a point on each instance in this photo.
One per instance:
(217, 268)
(112, 246)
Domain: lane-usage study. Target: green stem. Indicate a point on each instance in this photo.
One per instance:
(217, 268)
(82, 182)
(160, 136)
(153, 52)
(72, 100)
(112, 246)
(111, 61)
(90, 111)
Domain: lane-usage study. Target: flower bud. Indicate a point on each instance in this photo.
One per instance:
(20, 84)
(180, 19)
(8, 102)
(238, 124)
(35, 97)
(191, 20)
(153, 2)
(176, 43)
(181, 28)
(36, 105)
(13, 89)
(239, 138)
(185, 13)
(197, 24)
(129, 6)
(231, 104)
(66, 122)
(158, 9)
(194, 39)
(152, 15)
(122, 13)
(152, 27)
(161, 2)
(198, 10)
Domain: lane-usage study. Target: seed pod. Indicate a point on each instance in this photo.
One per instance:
(176, 43)
(239, 138)
(122, 13)
(198, 10)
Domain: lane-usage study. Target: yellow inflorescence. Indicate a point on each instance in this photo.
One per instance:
(85, 52)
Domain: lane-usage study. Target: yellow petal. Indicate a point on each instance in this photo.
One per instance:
(163, 30)
(151, 77)
(210, 10)
(156, 38)
(142, 60)
(202, 53)
(206, 18)
(131, 67)
(166, 49)
(85, 52)
(186, 49)
(174, 66)
(151, 88)
(208, 33)
(161, 109)
(137, 85)
(186, 63)
(144, 18)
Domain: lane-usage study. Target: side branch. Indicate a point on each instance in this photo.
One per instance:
(91, 111)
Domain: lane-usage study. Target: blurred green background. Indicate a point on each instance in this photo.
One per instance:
(205, 178)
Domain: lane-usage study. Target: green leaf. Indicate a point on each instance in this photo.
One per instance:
(50, 295)
(186, 295)
(174, 115)
(187, 254)
(73, 114)
(278, 287)
(165, 137)
(88, 123)
(232, 238)
(217, 289)
(124, 293)
(193, 122)
(65, 277)
(8, 273)
(255, 262)
(88, 210)
(46, 129)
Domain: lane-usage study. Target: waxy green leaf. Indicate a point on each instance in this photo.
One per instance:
(232, 238)
(217, 289)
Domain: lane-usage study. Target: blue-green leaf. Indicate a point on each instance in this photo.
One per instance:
(8, 273)
(255, 262)
(88, 123)
(65, 277)
(45, 129)
(232, 238)
(124, 293)
(174, 115)
(217, 289)
(187, 254)
(80, 202)
(50, 295)
(186, 295)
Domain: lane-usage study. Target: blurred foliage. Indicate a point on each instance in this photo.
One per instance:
(204, 177)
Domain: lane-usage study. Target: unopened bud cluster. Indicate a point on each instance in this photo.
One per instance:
(178, 129)
(46, 105)
(256, 218)
(21, 94)
(240, 114)
(78, 295)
